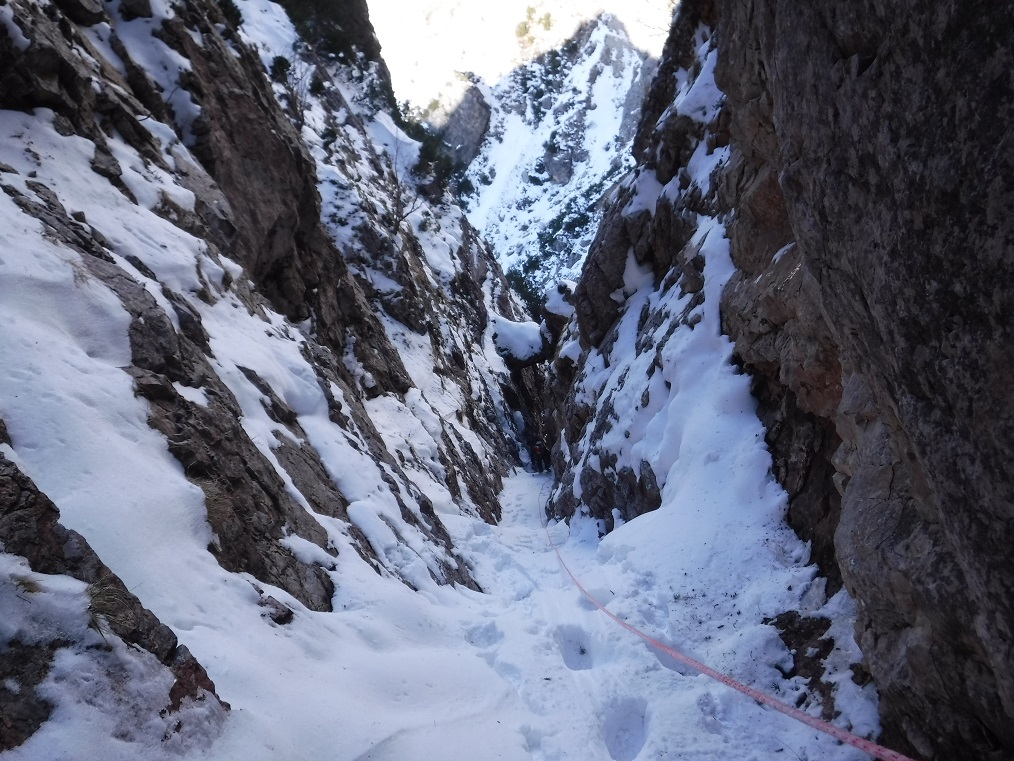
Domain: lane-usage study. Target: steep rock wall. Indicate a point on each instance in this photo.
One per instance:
(882, 164)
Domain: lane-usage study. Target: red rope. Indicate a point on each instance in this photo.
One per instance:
(867, 746)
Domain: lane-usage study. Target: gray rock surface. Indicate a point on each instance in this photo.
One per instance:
(466, 127)
(893, 161)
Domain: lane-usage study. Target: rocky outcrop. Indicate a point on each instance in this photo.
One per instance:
(30, 528)
(271, 197)
(341, 27)
(466, 127)
(248, 507)
(257, 199)
(257, 202)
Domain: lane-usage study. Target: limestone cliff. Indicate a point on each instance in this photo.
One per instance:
(863, 194)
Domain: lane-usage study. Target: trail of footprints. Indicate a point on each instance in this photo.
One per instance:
(624, 719)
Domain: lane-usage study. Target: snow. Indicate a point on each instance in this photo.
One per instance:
(527, 669)
(520, 340)
(267, 28)
(535, 221)
(85, 684)
(14, 32)
(646, 191)
(703, 98)
(140, 37)
(555, 301)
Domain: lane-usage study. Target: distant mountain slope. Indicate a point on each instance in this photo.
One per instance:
(558, 142)
(540, 101)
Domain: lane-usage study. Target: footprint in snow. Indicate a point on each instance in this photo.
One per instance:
(575, 647)
(625, 728)
(485, 635)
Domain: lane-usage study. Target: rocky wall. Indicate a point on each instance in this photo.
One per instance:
(179, 698)
(871, 160)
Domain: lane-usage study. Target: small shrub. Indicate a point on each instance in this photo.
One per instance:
(26, 585)
(280, 68)
(576, 222)
(231, 12)
(524, 29)
(434, 163)
(526, 289)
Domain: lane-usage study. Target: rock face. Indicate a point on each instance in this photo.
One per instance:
(892, 163)
(341, 27)
(869, 161)
(466, 127)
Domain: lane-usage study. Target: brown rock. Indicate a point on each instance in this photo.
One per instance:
(85, 12)
(131, 9)
(22, 709)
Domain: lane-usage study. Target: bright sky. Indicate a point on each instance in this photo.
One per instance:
(425, 43)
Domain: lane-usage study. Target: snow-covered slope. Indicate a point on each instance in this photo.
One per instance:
(547, 96)
(428, 44)
(254, 403)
